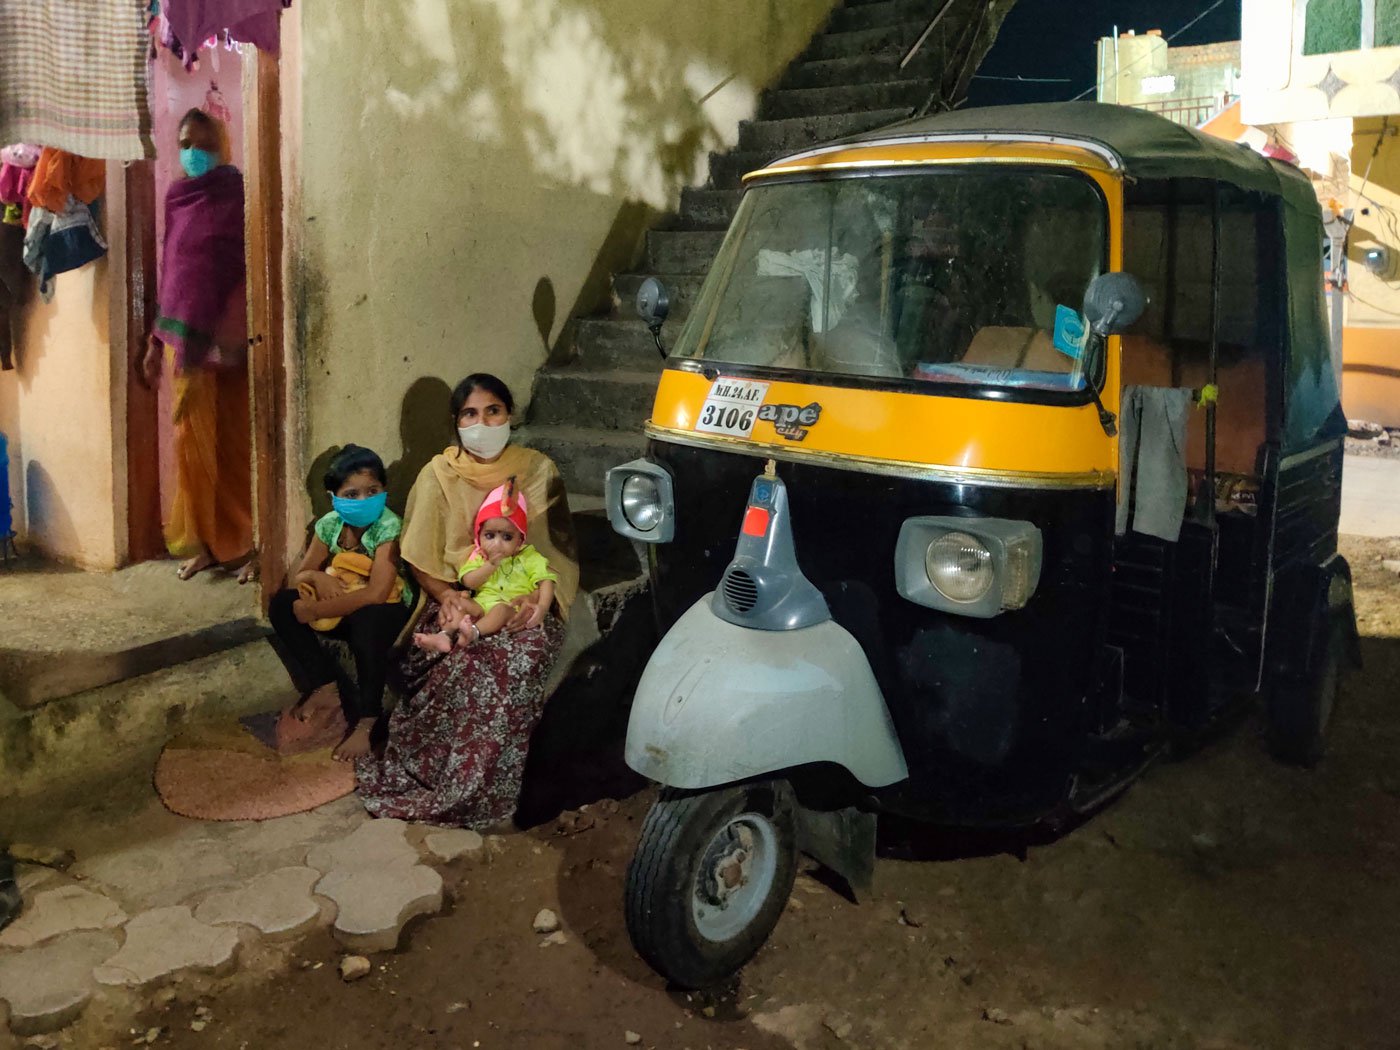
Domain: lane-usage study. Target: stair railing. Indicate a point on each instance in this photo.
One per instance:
(966, 42)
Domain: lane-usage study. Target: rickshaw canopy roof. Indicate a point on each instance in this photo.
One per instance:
(1145, 145)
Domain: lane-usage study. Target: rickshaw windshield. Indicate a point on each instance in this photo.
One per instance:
(970, 276)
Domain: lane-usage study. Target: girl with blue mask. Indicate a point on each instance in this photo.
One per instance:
(349, 586)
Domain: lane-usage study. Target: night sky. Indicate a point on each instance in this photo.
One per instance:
(1056, 39)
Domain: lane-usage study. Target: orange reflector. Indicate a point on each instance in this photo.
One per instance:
(755, 522)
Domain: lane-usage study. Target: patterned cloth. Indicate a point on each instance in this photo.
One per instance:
(458, 740)
(388, 526)
(73, 76)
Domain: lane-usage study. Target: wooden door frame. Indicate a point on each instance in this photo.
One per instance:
(131, 191)
(262, 151)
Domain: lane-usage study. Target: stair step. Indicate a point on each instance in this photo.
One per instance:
(682, 251)
(704, 209)
(604, 343)
(683, 289)
(603, 400)
(604, 557)
(878, 13)
(817, 101)
(893, 40)
(583, 455)
(796, 133)
(727, 170)
(860, 69)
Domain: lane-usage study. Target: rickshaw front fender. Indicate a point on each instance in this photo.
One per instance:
(719, 703)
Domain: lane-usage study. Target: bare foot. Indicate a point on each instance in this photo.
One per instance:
(319, 704)
(194, 566)
(353, 746)
(433, 643)
(249, 572)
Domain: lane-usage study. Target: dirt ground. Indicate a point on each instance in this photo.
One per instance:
(1224, 903)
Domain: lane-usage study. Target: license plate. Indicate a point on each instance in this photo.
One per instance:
(731, 407)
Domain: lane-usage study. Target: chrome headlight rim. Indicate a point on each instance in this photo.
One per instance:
(649, 526)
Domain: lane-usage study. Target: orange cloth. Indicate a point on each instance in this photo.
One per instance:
(353, 570)
(59, 174)
(213, 504)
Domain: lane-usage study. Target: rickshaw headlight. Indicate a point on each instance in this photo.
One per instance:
(960, 566)
(969, 566)
(641, 501)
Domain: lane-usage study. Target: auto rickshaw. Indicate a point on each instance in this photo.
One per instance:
(1000, 452)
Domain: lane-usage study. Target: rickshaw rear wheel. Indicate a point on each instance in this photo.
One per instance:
(1300, 708)
(709, 879)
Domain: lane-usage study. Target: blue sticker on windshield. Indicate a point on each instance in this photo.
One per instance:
(1069, 332)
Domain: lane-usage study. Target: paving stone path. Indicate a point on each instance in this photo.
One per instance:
(138, 917)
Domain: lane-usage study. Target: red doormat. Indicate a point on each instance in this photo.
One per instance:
(261, 767)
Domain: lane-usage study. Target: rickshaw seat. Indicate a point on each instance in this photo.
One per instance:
(1004, 346)
(1239, 417)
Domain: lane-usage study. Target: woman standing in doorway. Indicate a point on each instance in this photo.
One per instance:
(201, 328)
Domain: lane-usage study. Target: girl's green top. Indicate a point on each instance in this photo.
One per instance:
(386, 527)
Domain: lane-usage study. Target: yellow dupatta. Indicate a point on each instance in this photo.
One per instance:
(438, 521)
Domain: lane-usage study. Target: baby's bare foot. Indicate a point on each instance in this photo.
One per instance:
(433, 643)
(353, 746)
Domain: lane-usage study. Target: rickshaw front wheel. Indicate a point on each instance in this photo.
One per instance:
(709, 879)
(1300, 709)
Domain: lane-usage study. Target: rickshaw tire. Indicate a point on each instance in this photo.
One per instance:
(1297, 727)
(660, 881)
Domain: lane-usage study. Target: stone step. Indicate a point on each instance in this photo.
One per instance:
(893, 40)
(605, 343)
(584, 455)
(602, 400)
(795, 133)
(704, 209)
(817, 101)
(878, 13)
(605, 559)
(728, 169)
(683, 288)
(682, 251)
(860, 69)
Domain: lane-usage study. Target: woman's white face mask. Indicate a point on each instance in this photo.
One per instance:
(484, 441)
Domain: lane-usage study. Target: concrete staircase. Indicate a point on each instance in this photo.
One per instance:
(587, 413)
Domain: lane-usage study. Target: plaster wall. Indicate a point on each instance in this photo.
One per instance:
(64, 418)
(1371, 340)
(471, 172)
(1281, 84)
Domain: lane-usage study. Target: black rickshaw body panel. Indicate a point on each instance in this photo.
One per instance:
(992, 714)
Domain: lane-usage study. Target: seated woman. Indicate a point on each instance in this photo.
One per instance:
(458, 740)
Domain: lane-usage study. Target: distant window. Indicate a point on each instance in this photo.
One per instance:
(1333, 25)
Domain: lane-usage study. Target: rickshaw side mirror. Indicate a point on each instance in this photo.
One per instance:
(653, 304)
(1113, 303)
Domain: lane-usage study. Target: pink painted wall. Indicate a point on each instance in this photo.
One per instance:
(173, 93)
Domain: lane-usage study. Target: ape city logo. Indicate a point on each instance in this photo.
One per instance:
(791, 421)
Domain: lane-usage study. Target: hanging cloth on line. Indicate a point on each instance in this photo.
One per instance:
(73, 75)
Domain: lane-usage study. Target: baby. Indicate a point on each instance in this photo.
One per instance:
(504, 572)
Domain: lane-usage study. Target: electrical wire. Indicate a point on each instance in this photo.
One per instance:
(1372, 306)
(1094, 87)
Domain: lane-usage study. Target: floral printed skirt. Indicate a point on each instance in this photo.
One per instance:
(458, 740)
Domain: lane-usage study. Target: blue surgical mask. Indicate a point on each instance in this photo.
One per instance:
(359, 513)
(197, 162)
